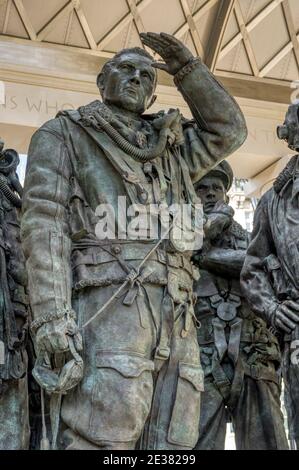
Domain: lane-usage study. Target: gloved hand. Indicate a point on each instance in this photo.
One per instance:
(170, 124)
(219, 219)
(286, 316)
(52, 336)
(58, 343)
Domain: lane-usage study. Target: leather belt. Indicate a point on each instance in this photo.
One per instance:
(128, 252)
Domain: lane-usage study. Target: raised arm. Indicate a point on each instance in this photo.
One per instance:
(219, 128)
(222, 261)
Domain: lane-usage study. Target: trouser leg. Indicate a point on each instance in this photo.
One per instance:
(175, 412)
(290, 370)
(257, 417)
(14, 417)
(110, 406)
(124, 385)
(212, 428)
(73, 441)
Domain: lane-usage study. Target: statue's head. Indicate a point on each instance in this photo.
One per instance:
(214, 186)
(128, 81)
(289, 131)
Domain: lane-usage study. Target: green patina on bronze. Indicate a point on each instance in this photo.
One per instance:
(270, 276)
(240, 357)
(14, 430)
(142, 376)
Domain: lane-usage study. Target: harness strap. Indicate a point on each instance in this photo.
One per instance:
(219, 337)
(220, 379)
(234, 339)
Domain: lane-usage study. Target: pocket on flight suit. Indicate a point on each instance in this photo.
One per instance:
(184, 424)
(122, 396)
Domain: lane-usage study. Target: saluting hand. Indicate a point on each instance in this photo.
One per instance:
(174, 53)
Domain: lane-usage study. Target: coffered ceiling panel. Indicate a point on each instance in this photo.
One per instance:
(189, 43)
(74, 34)
(266, 45)
(127, 37)
(203, 25)
(269, 32)
(103, 16)
(40, 12)
(285, 69)
(251, 8)
(157, 16)
(13, 24)
(232, 29)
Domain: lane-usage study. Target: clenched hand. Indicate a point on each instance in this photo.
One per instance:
(286, 316)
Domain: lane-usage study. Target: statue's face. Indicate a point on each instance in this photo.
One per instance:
(130, 83)
(210, 189)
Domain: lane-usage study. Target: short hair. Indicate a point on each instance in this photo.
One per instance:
(132, 50)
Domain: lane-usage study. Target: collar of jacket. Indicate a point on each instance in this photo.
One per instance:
(286, 175)
(83, 112)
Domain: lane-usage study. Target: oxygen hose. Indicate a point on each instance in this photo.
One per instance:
(17, 185)
(9, 194)
(138, 154)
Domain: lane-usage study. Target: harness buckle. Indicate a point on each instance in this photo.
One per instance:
(162, 353)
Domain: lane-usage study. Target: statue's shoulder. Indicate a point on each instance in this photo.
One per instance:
(286, 175)
(267, 197)
(83, 111)
(91, 107)
(264, 205)
(73, 115)
(53, 126)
